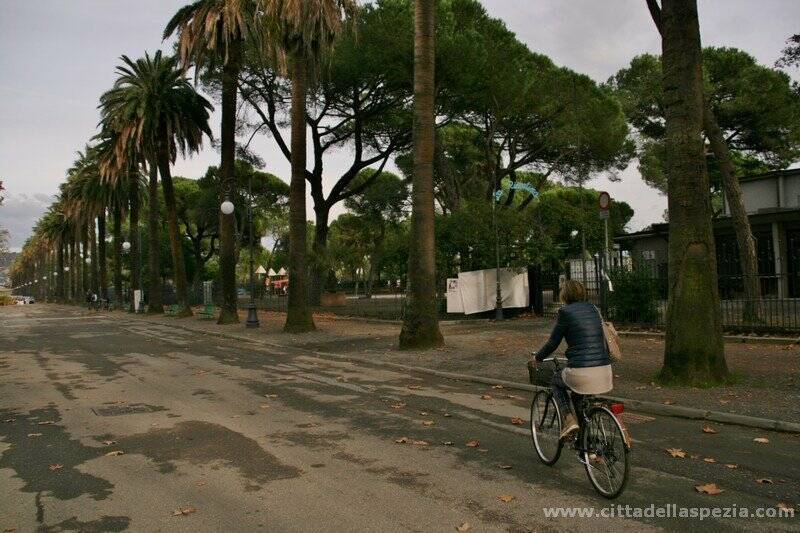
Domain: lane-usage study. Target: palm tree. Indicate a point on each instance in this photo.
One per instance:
(305, 31)
(211, 33)
(420, 323)
(154, 108)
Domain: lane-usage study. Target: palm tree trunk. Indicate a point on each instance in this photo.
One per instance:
(420, 323)
(155, 297)
(298, 316)
(227, 223)
(102, 263)
(117, 256)
(174, 231)
(60, 270)
(85, 282)
(94, 261)
(694, 352)
(134, 237)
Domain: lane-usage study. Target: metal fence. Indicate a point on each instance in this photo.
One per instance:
(639, 299)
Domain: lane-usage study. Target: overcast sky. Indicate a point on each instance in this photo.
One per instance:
(57, 57)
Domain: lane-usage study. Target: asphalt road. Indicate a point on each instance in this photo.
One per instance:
(219, 435)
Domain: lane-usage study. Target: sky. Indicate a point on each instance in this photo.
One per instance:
(57, 57)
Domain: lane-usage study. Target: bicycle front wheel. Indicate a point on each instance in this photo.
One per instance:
(605, 452)
(546, 427)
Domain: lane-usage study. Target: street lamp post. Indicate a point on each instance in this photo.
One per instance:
(252, 310)
(498, 307)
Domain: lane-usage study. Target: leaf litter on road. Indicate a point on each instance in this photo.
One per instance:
(466, 526)
(505, 498)
(517, 421)
(473, 443)
(709, 488)
(183, 511)
(56, 467)
(115, 453)
(676, 452)
(761, 440)
(709, 429)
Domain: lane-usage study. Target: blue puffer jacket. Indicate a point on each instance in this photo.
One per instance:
(579, 323)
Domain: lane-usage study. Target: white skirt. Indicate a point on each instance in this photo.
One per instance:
(589, 380)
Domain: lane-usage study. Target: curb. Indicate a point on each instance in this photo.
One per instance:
(743, 339)
(641, 406)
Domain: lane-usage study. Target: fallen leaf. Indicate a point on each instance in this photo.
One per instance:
(419, 443)
(398, 405)
(709, 429)
(466, 526)
(184, 511)
(708, 488)
(200, 483)
(694, 456)
(517, 421)
(9, 420)
(486, 397)
(447, 415)
(270, 396)
(498, 387)
(641, 387)
(473, 444)
(264, 406)
(403, 440)
(423, 413)
(761, 440)
(764, 481)
(447, 443)
(109, 442)
(669, 402)
(732, 466)
(504, 467)
(505, 498)
(676, 452)
(483, 450)
(115, 453)
(32, 435)
(428, 423)
(709, 460)
(414, 387)
(56, 467)
(46, 423)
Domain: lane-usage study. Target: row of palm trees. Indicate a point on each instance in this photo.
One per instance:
(152, 114)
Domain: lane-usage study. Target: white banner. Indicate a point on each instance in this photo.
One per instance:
(478, 290)
(454, 301)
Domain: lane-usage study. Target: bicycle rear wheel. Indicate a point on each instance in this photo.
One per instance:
(606, 453)
(546, 427)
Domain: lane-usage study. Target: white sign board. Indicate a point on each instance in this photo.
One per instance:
(454, 302)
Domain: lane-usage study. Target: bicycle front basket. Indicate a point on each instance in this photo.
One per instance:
(541, 375)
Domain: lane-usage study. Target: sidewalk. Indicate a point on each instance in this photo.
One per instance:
(765, 377)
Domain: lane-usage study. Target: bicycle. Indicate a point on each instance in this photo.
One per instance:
(601, 442)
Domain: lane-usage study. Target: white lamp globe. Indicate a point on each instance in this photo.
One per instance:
(126, 246)
(227, 207)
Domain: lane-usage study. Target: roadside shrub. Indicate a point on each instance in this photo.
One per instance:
(635, 296)
(6, 300)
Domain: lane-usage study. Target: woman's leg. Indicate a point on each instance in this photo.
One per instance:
(561, 394)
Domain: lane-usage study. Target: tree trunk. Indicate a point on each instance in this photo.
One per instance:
(61, 274)
(155, 297)
(117, 255)
(374, 260)
(298, 316)
(85, 282)
(694, 352)
(748, 260)
(102, 263)
(175, 237)
(135, 237)
(227, 223)
(420, 323)
(319, 274)
(94, 261)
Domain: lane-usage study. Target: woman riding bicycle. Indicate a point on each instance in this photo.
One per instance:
(588, 361)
